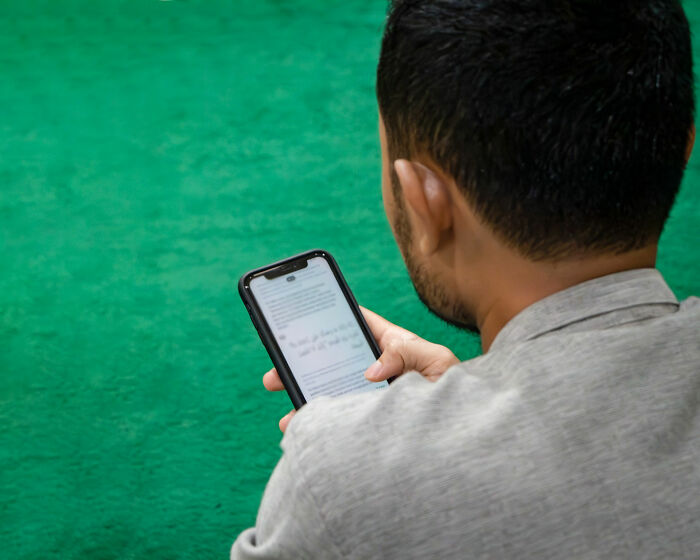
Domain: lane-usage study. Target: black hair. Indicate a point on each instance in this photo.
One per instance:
(564, 122)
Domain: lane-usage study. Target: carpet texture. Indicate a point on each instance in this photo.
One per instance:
(152, 152)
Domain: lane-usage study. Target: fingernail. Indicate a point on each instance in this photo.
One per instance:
(374, 371)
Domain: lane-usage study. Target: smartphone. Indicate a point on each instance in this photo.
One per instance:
(311, 326)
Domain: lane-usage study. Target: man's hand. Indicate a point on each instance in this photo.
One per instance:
(402, 351)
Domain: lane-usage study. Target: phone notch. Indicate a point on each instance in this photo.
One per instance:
(286, 269)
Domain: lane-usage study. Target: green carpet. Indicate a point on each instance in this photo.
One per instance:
(152, 152)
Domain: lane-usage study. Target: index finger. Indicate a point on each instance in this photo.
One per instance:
(380, 326)
(272, 381)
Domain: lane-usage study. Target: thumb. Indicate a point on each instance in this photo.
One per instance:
(407, 354)
(391, 363)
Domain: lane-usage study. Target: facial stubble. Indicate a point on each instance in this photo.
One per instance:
(430, 292)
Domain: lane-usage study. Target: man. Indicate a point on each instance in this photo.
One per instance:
(532, 151)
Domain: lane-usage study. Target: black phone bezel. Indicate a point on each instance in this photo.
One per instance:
(284, 266)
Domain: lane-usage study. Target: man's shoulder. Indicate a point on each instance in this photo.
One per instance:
(409, 406)
(387, 438)
(389, 461)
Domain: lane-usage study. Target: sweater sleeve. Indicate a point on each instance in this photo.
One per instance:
(289, 522)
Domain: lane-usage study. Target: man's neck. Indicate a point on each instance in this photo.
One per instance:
(512, 284)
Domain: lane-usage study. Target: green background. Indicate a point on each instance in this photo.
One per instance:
(151, 153)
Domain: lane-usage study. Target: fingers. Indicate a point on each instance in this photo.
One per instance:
(411, 354)
(271, 381)
(381, 328)
(392, 361)
(377, 324)
(284, 421)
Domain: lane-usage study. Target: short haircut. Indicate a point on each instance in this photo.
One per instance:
(564, 122)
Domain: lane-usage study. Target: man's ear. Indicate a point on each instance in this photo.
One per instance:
(691, 143)
(427, 199)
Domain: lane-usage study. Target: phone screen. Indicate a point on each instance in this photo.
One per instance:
(316, 330)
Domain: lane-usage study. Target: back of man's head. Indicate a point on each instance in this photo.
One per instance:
(565, 123)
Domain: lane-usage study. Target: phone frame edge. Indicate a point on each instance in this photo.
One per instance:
(265, 333)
